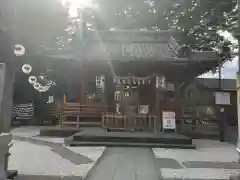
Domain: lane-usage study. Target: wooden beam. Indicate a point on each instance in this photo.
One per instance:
(83, 88)
(157, 109)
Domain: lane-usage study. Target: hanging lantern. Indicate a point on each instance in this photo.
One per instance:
(27, 68)
(19, 50)
(117, 96)
(100, 82)
(32, 79)
(160, 82)
(134, 81)
(163, 84)
(139, 82)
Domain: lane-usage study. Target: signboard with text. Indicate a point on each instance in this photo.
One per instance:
(222, 98)
(169, 121)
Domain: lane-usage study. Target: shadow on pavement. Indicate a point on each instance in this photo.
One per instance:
(42, 177)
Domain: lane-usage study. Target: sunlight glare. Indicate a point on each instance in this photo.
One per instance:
(75, 5)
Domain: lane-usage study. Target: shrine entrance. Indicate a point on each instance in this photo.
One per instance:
(133, 95)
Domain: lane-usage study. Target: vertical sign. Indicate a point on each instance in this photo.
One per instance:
(169, 121)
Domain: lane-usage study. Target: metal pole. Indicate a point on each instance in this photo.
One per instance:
(219, 75)
(238, 73)
(238, 34)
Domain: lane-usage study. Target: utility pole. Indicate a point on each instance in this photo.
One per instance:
(238, 73)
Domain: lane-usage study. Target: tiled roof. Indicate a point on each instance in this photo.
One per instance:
(137, 45)
(129, 51)
(130, 45)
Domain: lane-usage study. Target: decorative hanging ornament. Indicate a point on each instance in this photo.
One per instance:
(27, 68)
(40, 89)
(36, 85)
(41, 77)
(43, 88)
(32, 79)
(19, 50)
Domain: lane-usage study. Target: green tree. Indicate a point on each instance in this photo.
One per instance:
(198, 21)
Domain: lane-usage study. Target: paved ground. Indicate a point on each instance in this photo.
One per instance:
(42, 158)
(47, 158)
(211, 160)
(126, 164)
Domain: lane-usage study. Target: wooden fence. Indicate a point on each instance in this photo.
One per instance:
(122, 122)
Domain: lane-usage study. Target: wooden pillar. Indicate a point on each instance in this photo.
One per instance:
(6, 97)
(177, 100)
(106, 91)
(157, 109)
(109, 92)
(83, 88)
(122, 104)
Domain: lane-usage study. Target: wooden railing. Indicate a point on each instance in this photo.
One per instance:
(121, 122)
(193, 124)
(77, 112)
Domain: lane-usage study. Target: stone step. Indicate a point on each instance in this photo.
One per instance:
(70, 142)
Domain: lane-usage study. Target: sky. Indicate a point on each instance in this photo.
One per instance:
(230, 68)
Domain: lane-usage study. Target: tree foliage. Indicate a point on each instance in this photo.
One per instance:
(45, 22)
(198, 21)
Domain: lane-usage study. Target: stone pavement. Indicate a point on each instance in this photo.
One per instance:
(211, 160)
(47, 158)
(42, 158)
(126, 164)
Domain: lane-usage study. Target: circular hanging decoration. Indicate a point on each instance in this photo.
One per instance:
(27, 68)
(19, 50)
(41, 77)
(32, 79)
(36, 86)
(42, 89)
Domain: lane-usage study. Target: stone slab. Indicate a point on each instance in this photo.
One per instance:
(126, 163)
(204, 173)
